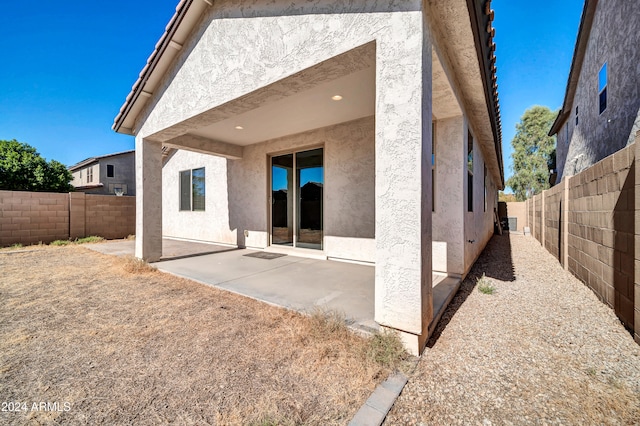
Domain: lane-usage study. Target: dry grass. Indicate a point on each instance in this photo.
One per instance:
(144, 347)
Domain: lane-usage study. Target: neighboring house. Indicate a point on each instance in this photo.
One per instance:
(362, 131)
(601, 110)
(113, 174)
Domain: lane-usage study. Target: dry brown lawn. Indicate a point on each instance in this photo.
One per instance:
(137, 347)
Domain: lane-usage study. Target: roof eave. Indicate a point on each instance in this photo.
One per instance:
(158, 62)
(481, 17)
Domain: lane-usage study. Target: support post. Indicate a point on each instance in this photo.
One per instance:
(403, 293)
(148, 200)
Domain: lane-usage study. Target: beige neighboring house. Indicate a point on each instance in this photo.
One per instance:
(364, 131)
(601, 110)
(111, 174)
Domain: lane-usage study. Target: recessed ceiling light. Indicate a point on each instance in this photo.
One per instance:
(239, 128)
(336, 97)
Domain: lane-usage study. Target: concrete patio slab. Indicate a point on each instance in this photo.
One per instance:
(297, 283)
(171, 249)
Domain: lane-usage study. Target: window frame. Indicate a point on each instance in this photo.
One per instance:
(602, 89)
(194, 205)
(89, 174)
(485, 188)
(433, 166)
(470, 161)
(112, 168)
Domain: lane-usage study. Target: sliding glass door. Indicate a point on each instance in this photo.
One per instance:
(297, 181)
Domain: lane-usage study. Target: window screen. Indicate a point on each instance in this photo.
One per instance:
(185, 190)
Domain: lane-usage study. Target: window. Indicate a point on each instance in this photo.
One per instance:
(566, 134)
(602, 87)
(110, 170)
(485, 188)
(90, 175)
(433, 166)
(192, 190)
(576, 116)
(469, 172)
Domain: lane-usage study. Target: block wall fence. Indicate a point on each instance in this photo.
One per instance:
(590, 223)
(31, 217)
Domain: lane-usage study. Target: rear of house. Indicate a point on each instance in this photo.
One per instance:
(366, 132)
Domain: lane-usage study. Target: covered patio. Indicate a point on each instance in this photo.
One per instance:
(292, 282)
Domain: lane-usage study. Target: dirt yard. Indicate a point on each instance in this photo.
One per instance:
(89, 342)
(540, 350)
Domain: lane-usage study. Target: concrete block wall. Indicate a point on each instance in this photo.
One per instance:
(110, 217)
(537, 217)
(33, 217)
(592, 226)
(553, 224)
(519, 210)
(601, 230)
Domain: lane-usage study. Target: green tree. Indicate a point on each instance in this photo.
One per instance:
(534, 152)
(23, 169)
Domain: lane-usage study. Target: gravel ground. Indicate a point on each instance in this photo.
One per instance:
(541, 350)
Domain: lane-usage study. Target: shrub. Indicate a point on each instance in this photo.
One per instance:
(386, 350)
(327, 322)
(133, 265)
(91, 239)
(485, 286)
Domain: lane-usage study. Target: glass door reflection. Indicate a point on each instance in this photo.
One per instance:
(296, 199)
(309, 188)
(282, 200)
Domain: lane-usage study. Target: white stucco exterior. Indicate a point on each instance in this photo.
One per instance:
(349, 214)
(269, 69)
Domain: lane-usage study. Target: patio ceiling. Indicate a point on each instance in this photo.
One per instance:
(306, 110)
(298, 103)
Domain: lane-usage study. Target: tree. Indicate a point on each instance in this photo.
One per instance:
(507, 198)
(534, 152)
(23, 169)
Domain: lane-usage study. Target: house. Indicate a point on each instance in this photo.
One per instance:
(601, 110)
(113, 174)
(359, 131)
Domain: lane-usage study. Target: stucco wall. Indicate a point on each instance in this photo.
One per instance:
(263, 42)
(450, 201)
(80, 176)
(237, 191)
(124, 174)
(478, 223)
(613, 39)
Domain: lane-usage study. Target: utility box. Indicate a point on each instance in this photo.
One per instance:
(513, 224)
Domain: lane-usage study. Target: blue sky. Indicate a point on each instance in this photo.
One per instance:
(68, 67)
(534, 47)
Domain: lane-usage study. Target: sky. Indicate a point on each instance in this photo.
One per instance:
(68, 67)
